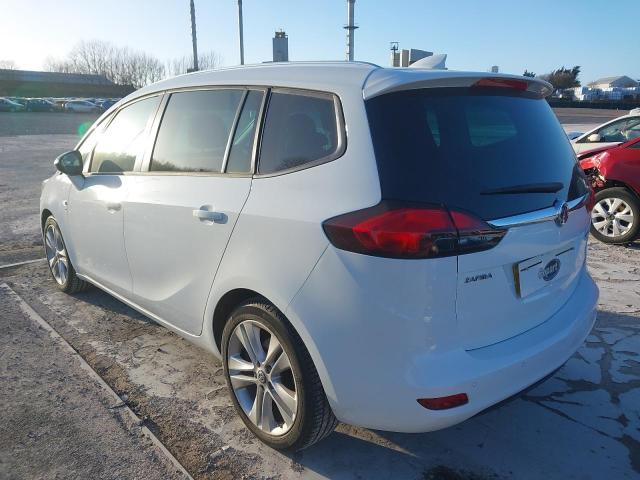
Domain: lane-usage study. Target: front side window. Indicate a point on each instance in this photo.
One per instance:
(89, 141)
(123, 140)
(620, 131)
(300, 128)
(194, 131)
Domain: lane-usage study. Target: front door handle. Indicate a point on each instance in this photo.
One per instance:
(114, 206)
(208, 215)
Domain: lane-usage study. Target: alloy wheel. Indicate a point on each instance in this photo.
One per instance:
(261, 377)
(612, 217)
(56, 254)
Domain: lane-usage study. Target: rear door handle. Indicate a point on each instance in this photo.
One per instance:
(208, 215)
(114, 206)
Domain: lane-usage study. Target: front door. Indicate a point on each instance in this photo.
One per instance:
(96, 202)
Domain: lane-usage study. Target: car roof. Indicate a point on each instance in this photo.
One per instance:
(332, 76)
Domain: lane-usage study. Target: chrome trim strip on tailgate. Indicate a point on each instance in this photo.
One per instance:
(538, 216)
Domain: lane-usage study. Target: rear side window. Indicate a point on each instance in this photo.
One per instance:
(472, 149)
(194, 131)
(123, 140)
(300, 129)
(243, 138)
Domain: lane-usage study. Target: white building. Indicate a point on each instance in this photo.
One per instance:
(621, 81)
(608, 88)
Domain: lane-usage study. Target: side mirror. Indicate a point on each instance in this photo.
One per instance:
(69, 163)
(594, 138)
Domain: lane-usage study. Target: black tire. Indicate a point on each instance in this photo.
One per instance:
(72, 283)
(634, 204)
(314, 419)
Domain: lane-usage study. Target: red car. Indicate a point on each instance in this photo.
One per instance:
(614, 173)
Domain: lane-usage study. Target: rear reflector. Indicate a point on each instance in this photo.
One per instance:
(400, 230)
(443, 403)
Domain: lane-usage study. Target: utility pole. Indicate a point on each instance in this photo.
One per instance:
(240, 32)
(350, 28)
(194, 38)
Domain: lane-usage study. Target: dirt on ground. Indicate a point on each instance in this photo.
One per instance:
(56, 422)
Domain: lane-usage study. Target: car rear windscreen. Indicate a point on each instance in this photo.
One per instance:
(495, 152)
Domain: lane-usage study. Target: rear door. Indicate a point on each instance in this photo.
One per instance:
(501, 155)
(182, 209)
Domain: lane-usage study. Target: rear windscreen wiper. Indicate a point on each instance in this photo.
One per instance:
(551, 187)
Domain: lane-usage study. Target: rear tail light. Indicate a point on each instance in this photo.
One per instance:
(399, 230)
(443, 403)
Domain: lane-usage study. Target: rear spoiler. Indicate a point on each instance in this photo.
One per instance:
(388, 80)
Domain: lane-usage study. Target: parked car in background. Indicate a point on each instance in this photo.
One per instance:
(574, 135)
(635, 111)
(406, 279)
(614, 132)
(107, 104)
(614, 173)
(19, 100)
(59, 103)
(81, 106)
(7, 105)
(39, 105)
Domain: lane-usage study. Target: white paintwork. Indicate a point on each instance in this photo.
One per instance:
(173, 255)
(492, 311)
(381, 332)
(581, 145)
(95, 223)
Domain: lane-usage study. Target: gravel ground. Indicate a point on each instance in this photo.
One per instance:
(57, 422)
(587, 115)
(39, 123)
(25, 161)
(584, 422)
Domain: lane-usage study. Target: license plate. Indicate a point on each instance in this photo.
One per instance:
(538, 272)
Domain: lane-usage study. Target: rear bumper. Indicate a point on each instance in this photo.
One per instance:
(492, 374)
(375, 363)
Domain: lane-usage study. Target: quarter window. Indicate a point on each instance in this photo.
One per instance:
(242, 145)
(123, 140)
(299, 129)
(195, 130)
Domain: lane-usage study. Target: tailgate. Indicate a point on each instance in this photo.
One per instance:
(521, 282)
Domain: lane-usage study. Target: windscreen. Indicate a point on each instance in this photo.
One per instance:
(495, 152)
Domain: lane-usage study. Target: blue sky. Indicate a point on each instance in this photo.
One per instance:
(600, 36)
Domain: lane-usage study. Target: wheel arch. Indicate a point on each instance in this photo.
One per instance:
(46, 213)
(227, 304)
(614, 183)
